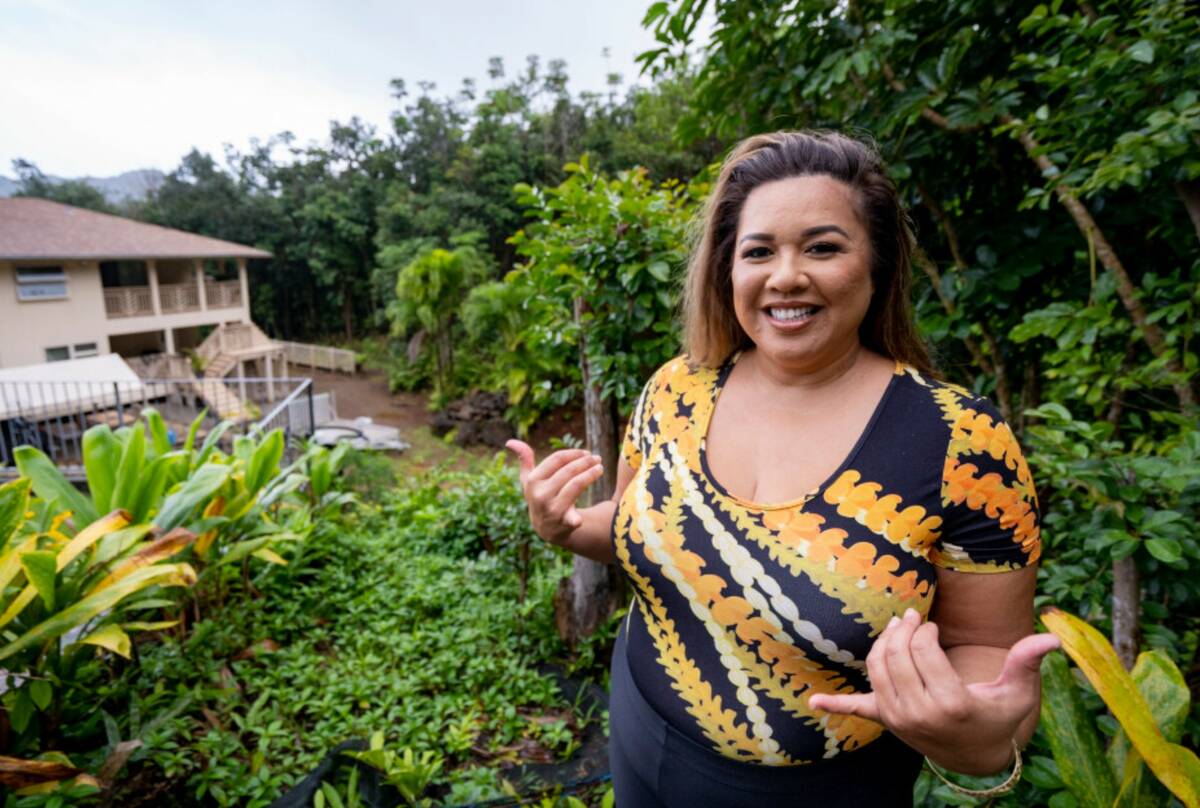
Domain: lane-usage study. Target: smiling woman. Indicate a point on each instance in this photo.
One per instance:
(804, 512)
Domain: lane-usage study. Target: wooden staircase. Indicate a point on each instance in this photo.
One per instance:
(221, 399)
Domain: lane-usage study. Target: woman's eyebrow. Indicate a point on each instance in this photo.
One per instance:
(818, 230)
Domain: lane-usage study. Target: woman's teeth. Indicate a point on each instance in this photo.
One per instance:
(801, 313)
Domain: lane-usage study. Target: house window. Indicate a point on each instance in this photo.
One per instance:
(41, 283)
(58, 354)
(84, 349)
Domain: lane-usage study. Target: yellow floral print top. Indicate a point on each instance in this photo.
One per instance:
(742, 610)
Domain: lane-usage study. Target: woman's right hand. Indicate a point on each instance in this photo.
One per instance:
(552, 486)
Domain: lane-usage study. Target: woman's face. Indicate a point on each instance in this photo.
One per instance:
(802, 271)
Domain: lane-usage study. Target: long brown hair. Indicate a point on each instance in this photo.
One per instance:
(711, 331)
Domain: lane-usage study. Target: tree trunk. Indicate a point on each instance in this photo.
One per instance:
(1127, 598)
(347, 313)
(592, 592)
(1151, 333)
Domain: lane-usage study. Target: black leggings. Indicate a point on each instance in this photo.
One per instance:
(656, 766)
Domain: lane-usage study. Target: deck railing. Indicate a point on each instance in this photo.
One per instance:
(175, 297)
(223, 294)
(128, 301)
(319, 356)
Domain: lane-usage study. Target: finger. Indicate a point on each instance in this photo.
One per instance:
(572, 518)
(902, 670)
(877, 672)
(556, 483)
(551, 465)
(860, 704)
(931, 660)
(524, 453)
(1023, 665)
(942, 682)
(577, 485)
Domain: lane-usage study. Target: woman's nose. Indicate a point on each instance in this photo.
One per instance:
(788, 274)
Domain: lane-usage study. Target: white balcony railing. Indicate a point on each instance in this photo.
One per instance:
(223, 294)
(128, 301)
(179, 297)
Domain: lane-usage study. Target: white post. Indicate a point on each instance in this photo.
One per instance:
(152, 274)
(241, 366)
(199, 267)
(245, 284)
(270, 380)
(170, 332)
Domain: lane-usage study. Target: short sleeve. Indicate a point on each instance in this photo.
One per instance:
(990, 520)
(634, 446)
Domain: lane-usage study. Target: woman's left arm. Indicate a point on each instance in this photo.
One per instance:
(963, 686)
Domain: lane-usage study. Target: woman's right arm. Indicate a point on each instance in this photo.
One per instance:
(551, 489)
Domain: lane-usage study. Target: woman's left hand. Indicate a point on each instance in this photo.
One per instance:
(920, 697)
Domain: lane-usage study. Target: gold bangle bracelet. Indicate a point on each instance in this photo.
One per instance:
(995, 791)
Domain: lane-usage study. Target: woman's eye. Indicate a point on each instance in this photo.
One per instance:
(824, 248)
(756, 252)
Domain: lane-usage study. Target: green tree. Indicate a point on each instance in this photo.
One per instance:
(430, 291)
(608, 252)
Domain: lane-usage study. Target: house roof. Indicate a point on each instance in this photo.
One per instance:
(38, 229)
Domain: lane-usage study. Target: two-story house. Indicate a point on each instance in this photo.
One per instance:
(76, 283)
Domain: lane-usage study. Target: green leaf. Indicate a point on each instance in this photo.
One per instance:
(1074, 740)
(101, 456)
(14, 500)
(660, 271)
(52, 486)
(40, 568)
(194, 492)
(1142, 51)
(20, 708)
(129, 472)
(158, 431)
(264, 463)
(42, 693)
(1166, 550)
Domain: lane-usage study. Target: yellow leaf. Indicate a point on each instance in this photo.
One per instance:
(112, 637)
(267, 554)
(155, 551)
(1176, 767)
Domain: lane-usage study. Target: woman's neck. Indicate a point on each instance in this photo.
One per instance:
(780, 376)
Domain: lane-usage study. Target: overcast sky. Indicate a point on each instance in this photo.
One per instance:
(97, 87)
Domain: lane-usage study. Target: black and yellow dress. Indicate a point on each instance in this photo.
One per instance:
(743, 610)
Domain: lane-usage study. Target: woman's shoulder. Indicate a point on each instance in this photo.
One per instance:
(940, 403)
(680, 372)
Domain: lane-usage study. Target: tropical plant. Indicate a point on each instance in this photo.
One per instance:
(430, 289)
(406, 771)
(1143, 760)
(62, 596)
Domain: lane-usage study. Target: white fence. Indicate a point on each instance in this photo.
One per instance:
(319, 356)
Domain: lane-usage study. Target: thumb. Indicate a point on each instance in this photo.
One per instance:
(860, 704)
(1023, 664)
(524, 453)
(572, 517)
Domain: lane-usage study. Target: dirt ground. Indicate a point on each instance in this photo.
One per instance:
(366, 393)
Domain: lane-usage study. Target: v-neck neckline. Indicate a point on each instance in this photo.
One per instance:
(706, 421)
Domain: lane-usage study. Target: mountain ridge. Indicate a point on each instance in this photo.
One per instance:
(127, 186)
